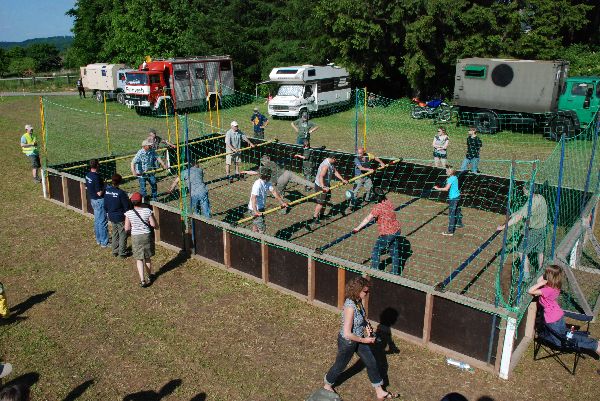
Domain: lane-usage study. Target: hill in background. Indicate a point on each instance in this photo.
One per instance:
(61, 42)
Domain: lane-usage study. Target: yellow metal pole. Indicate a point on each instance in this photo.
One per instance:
(298, 201)
(45, 183)
(106, 124)
(167, 114)
(241, 150)
(365, 118)
(217, 101)
(179, 166)
(209, 108)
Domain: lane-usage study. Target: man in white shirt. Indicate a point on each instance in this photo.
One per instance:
(258, 199)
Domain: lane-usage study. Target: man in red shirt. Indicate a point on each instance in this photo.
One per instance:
(389, 230)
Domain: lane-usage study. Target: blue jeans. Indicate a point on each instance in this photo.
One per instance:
(474, 162)
(581, 340)
(454, 215)
(347, 348)
(153, 187)
(389, 242)
(100, 221)
(201, 202)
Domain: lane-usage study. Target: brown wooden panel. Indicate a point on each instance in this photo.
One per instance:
(326, 283)
(520, 331)
(396, 306)
(464, 329)
(288, 269)
(74, 191)
(171, 231)
(246, 255)
(55, 184)
(208, 241)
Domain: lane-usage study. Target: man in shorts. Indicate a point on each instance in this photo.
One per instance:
(258, 199)
(538, 220)
(325, 173)
(233, 144)
(29, 146)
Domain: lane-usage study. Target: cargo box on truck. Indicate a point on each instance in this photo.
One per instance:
(105, 80)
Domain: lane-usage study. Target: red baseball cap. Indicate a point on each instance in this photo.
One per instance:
(136, 197)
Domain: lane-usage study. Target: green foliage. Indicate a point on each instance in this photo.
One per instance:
(21, 66)
(584, 60)
(62, 43)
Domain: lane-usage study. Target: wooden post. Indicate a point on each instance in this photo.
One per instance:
(156, 212)
(340, 287)
(311, 278)
(264, 250)
(226, 249)
(83, 193)
(65, 190)
(427, 317)
(530, 324)
(499, 348)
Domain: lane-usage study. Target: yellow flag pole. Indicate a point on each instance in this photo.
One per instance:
(209, 107)
(179, 165)
(167, 115)
(217, 101)
(106, 124)
(301, 200)
(44, 153)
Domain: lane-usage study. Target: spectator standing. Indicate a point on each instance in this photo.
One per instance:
(95, 190)
(356, 336)
(116, 203)
(325, 173)
(80, 88)
(233, 144)
(454, 212)
(144, 164)
(193, 179)
(304, 128)
(258, 199)
(29, 146)
(389, 231)
(362, 165)
(474, 145)
(259, 122)
(440, 148)
(538, 220)
(140, 222)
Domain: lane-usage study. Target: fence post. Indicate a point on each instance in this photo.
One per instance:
(558, 190)
(526, 235)
(590, 166)
(505, 235)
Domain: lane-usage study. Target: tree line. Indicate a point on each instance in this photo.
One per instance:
(394, 47)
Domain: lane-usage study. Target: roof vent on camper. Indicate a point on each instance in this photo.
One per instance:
(502, 75)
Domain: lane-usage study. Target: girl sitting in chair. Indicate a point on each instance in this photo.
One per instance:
(548, 288)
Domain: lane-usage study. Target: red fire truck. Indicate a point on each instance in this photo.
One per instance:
(178, 83)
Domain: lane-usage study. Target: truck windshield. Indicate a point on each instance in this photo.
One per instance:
(137, 78)
(290, 90)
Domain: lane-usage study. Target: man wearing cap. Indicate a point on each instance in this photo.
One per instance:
(362, 165)
(258, 199)
(95, 191)
(325, 173)
(29, 146)
(144, 164)
(233, 144)
(193, 179)
(304, 128)
(259, 122)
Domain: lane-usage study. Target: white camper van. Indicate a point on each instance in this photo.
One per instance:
(105, 80)
(308, 88)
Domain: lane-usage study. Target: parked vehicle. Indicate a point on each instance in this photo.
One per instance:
(308, 88)
(105, 80)
(495, 94)
(434, 108)
(178, 84)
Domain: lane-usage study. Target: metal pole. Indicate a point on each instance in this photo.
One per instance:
(365, 120)
(167, 115)
(590, 166)
(44, 154)
(505, 236)
(106, 124)
(179, 164)
(356, 121)
(558, 190)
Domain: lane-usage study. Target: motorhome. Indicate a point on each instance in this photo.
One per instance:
(308, 88)
(105, 80)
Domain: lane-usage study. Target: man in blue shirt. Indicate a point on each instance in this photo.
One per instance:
(362, 165)
(116, 203)
(454, 213)
(95, 190)
(259, 122)
(193, 179)
(144, 164)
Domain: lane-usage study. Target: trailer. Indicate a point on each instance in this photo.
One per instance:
(105, 80)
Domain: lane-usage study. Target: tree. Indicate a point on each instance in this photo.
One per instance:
(46, 57)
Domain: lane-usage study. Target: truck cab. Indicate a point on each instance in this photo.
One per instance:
(582, 96)
(147, 89)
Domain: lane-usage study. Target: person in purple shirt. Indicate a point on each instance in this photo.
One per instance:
(95, 190)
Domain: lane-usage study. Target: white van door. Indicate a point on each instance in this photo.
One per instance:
(310, 97)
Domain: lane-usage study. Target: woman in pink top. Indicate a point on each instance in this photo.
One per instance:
(389, 230)
(548, 288)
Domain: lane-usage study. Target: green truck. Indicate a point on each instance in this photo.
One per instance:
(498, 94)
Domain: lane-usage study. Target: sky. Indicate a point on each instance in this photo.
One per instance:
(29, 19)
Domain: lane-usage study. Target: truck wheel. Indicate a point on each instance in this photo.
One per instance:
(560, 125)
(121, 97)
(99, 96)
(444, 114)
(486, 122)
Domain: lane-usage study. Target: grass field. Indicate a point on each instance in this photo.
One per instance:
(84, 330)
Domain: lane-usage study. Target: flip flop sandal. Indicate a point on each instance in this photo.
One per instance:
(389, 396)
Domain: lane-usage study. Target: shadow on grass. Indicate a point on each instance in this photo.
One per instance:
(17, 310)
(24, 381)
(172, 264)
(150, 395)
(199, 397)
(79, 390)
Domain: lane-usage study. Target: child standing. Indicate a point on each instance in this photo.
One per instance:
(454, 212)
(548, 288)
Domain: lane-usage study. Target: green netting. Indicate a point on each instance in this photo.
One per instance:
(476, 262)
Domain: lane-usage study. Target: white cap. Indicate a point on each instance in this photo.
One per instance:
(28, 127)
(234, 124)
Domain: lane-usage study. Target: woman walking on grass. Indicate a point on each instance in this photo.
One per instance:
(356, 335)
(141, 223)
